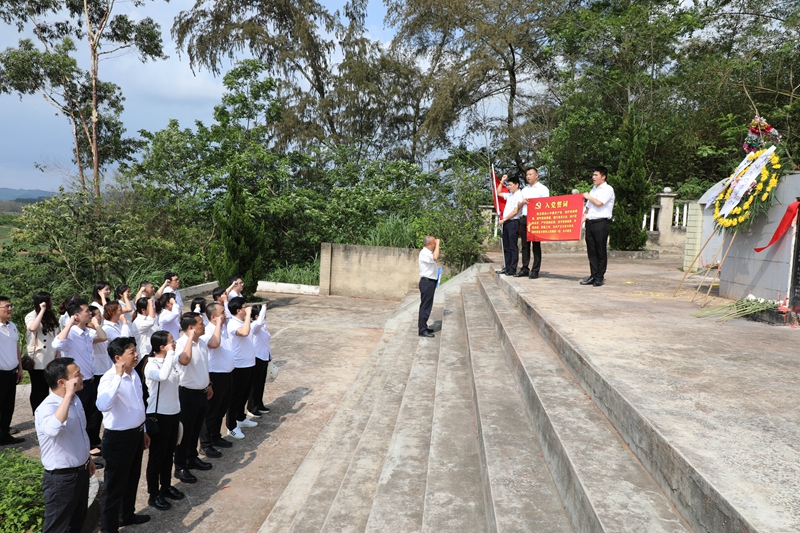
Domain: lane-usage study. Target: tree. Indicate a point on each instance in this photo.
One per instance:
(92, 106)
(631, 190)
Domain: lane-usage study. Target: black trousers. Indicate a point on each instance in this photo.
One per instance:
(241, 379)
(39, 388)
(510, 249)
(8, 395)
(159, 458)
(94, 418)
(256, 399)
(596, 241)
(526, 249)
(122, 451)
(194, 407)
(217, 407)
(427, 288)
(65, 501)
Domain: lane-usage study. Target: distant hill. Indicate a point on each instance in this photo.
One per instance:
(19, 194)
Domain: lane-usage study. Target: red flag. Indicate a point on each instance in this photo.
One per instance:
(788, 218)
(497, 192)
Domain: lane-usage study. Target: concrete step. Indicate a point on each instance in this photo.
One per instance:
(603, 485)
(400, 495)
(369, 378)
(355, 498)
(311, 509)
(519, 491)
(454, 500)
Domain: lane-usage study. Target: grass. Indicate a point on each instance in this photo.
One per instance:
(297, 274)
(393, 231)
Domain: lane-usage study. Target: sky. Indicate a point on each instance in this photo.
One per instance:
(30, 131)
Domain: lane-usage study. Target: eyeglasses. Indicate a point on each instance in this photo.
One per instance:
(6, 307)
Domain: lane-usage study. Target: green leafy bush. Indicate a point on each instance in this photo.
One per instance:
(21, 499)
(300, 274)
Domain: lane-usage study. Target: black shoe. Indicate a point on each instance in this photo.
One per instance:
(533, 275)
(98, 465)
(263, 410)
(12, 440)
(159, 503)
(429, 330)
(212, 452)
(599, 282)
(173, 494)
(426, 333)
(184, 475)
(222, 443)
(196, 464)
(588, 281)
(521, 273)
(13, 431)
(136, 519)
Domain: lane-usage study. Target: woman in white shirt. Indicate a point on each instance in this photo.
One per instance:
(100, 294)
(101, 365)
(123, 295)
(170, 316)
(162, 377)
(260, 335)
(145, 325)
(42, 325)
(199, 306)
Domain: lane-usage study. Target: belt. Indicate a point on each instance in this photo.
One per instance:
(131, 430)
(431, 279)
(63, 471)
(9, 371)
(195, 390)
(597, 219)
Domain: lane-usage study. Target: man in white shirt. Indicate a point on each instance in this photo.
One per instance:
(535, 189)
(171, 284)
(244, 360)
(510, 223)
(119, 398)
(64, 449)
(220, 367)
(236, 287)
(194, 392)
(75, 341)
(10, 371)
(598, 212)
(428, 277)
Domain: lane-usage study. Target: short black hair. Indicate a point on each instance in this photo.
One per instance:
(118, 346)
(234, 278)
(256, 310)
(188, 319)
(211, 310)
(216, 293)
(55, 370)
(75, 306)
(602, 170)
(199, 300)
(144, 284)
(513, 179)
(532, 168)
(169, 276)
(234, 304)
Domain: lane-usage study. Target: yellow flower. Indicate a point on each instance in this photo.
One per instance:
(728, 194)
(764, 197)
(746, 215)
(764, 171)
(721, 196)
(776, 166)
(774, 176)
(773, 183)
(741, 219)
(733, 222)
(774, 159)
(759, 187)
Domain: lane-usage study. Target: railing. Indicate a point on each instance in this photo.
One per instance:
(681, 214)
(650, 221)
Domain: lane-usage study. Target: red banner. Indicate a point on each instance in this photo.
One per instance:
(786, 222)
(497, 191)
(555, 218)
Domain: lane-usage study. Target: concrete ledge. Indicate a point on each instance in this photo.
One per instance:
(288, 288)
(633, 254)
(198, 290)
(699, 502)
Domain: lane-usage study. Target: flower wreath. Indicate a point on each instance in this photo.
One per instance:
(760, 193)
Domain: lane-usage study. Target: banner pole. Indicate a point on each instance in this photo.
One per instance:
(693, 262)
(719, 268)
(709, 269)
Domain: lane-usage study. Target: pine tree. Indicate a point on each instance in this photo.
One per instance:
(631, 190)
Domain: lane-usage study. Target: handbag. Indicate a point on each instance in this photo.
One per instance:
(27, 362)
(272, 372)
(151, 422)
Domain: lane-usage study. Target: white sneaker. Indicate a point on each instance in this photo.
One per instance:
(236, 433)
(252, 415)
(246, 423)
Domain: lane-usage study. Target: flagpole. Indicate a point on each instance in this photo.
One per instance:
(499, 214)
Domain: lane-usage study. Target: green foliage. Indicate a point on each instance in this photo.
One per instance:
(21, 499)
(631, 190)
(393, 231)
(307, 274)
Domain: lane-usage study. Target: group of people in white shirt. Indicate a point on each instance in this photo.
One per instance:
(196, 369)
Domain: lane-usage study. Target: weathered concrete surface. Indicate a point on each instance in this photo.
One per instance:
(707, 398)
(453, 493)
(521, 491)
(603, 485)
(320, 345)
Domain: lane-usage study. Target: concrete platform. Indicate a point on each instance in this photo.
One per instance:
(709, 408)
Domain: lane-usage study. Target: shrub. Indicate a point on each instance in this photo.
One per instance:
(21, 499)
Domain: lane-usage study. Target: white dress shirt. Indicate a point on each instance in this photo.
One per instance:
(178, 297)
(244, 353)
(220, 359)
(604, 193)
(537, 190)
(78, 345)
(119, 398)
(427, 264)
(9, 336)
(512, 201)
(61, 445)
(145, 327)
(261, 336)
(233, 294)
(171, 321)
(195, 374)
(102, 362)
(39, 344)
(162, 378)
